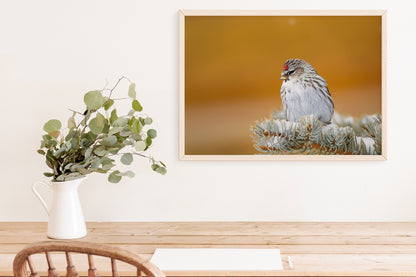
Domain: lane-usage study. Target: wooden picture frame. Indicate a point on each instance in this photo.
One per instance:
(190, 155)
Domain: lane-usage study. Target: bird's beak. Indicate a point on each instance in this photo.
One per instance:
(283, 77)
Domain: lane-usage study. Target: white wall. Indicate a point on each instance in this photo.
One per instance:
(52, 52)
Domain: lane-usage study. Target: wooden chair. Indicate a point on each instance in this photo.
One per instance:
(23, 258)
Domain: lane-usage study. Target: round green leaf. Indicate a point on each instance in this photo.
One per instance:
(136, 127)
(148, 141)
(132, 90)
(126, 158)
(97, 124)
(108, 104)
(121, 122)
(74, 142)
(47, 137)
(70, 135)
(94, 99)
(152, 133)
(106, 127)
(148, 121)
(109, 141)
(96, 162)
(113, 116)
(136, 137)
(161, 170)
(114, 177)
(71, 122)
(52, 126)
(136, 105)
(140, 146)
(107, 166)
(88, 152)
(107, 163)
(114, 130)
(129, 174)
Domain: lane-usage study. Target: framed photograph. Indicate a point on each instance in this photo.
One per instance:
(282, 85)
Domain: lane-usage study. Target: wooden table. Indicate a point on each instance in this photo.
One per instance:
(316, 249)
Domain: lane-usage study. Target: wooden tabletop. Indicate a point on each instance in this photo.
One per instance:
(315, 249)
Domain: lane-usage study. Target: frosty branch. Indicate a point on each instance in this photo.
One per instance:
(309, 136)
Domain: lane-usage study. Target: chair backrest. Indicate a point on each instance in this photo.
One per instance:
(23, 258)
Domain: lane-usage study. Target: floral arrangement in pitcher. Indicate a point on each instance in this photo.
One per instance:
(95, 137)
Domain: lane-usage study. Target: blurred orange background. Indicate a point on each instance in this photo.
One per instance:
(233, 65)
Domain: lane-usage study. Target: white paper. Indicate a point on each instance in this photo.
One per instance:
(215, 259)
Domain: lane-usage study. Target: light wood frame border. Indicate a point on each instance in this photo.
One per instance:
(184, 13)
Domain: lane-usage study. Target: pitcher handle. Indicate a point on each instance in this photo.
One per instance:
(39, 196)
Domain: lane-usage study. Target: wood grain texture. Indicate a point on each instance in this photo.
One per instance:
(316, 249)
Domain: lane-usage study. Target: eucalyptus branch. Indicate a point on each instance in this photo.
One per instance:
(134, 153)
(106, 84)
(76, 112)
(86, 147)
(123, 98)
(119, 80)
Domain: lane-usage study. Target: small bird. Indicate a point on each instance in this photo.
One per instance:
(304, 92)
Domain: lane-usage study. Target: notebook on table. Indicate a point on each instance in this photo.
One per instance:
(217, 259)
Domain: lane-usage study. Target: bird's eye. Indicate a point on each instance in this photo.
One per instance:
(290, 72)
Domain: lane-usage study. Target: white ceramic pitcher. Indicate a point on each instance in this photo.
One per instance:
(66, 220)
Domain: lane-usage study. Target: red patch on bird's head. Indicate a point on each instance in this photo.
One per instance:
(285, 67)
